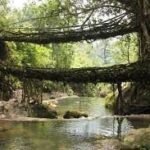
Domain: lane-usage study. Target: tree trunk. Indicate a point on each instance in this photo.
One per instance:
(5, 85)
(144, 22)
(3, 52)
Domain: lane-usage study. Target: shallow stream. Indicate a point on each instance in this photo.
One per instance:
(61, 134)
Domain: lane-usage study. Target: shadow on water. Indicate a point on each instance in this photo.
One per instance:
(66, 134)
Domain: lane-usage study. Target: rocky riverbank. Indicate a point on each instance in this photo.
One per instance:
(16, 108)
(136, 139)
(11, 109)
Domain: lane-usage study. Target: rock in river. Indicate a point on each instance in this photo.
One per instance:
(74, 114)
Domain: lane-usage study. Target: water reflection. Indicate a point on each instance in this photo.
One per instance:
(65, 134)
(119, 121)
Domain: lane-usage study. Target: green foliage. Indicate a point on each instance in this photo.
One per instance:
(49, 86)
(45, 15)
(110, 101)
(62, 55)
(90, 90)
(83, 56)
(55, 55)
(125, 49)
(4, 13)
(31, 55)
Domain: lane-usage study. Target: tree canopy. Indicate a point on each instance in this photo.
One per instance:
(80, 20)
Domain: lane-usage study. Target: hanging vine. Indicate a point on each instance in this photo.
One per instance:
(6, 86)
(32, 92)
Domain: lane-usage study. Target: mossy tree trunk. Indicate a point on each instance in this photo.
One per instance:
(139, 91)
(5, 85)
(144, 22)
(3, 52)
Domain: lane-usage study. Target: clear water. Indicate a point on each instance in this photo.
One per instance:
(74, 134)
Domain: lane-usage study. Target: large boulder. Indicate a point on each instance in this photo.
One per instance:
(41, 111)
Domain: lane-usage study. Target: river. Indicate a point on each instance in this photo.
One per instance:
(61, 134)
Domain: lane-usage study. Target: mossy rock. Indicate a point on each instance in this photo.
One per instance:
(74, 114)
(41, 111)
(103, 94)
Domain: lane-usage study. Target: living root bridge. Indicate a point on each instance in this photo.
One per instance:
(63, 37)
(135, 72)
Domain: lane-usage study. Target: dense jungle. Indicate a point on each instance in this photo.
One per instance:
(74, 74)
